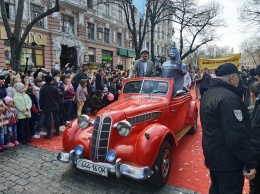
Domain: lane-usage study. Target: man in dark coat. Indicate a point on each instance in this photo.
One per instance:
(99, 80)
(50, 103)
(255, 122)
(205, 82)
(226, 139)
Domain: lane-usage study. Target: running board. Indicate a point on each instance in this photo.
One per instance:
(182, 132)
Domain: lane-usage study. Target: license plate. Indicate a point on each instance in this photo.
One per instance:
(91, 167)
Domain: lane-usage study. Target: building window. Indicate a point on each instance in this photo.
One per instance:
(162, 34)
(107, 9)
(36, 11)
(147, 45)
(120, 16)
(10, 9)
(90, 3)
(67, 23)
(106, 35)
(91, 55)
(119, 39)
(162, 51)
(158, 50)
(91, 31)
(158, 32)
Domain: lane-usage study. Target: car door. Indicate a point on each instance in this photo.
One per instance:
(178, 112)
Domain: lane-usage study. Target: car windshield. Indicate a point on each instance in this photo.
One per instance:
(146, 87)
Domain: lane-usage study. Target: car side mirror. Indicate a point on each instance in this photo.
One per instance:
(179, 93)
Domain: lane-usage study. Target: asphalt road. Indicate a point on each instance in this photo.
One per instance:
(28, 169)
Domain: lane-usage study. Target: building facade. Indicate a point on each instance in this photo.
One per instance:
(250, 61)
(82, 33)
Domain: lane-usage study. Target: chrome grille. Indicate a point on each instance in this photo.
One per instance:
(100, 138)
(144, 117)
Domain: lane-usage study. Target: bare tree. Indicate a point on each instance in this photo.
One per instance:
(158, 12)
(16, 39)
(196, 25)
(250, 13)
(251, 46)
(136, 23)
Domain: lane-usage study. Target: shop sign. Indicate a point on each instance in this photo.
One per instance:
(104, 58)
(37, 38)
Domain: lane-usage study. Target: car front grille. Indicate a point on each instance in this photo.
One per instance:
(100, 138)
(144, 117)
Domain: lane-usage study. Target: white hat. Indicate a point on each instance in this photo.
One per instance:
(144, 50)
(19, 86)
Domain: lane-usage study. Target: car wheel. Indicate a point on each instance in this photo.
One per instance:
(194, 128)
(162, 165)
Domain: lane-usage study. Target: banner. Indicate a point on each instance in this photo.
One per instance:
(139, 4)
(214, 63)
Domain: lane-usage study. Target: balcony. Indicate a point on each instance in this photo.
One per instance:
(78, 5)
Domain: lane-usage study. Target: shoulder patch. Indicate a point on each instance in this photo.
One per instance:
(238, 115)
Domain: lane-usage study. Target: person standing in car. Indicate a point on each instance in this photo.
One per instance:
(142, 67)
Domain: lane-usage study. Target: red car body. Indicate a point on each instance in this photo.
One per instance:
(158, 117)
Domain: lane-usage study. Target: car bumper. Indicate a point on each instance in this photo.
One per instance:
(119, 168)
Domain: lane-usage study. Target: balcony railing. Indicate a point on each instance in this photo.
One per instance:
(79, 5)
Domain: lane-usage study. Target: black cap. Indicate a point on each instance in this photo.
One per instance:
(226, 69)
(2, 77)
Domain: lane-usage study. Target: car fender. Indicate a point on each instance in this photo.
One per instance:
(74, 136)
(149, 142)
(191, 112)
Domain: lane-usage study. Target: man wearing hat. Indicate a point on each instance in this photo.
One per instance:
(142, 67)
(50, 103)
(226, 139)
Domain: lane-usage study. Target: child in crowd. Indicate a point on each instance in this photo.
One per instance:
(38, 82)
(81, 95)
(23, 104)
(34, 112)
(2, 124)
(10, 90)
(12, 120)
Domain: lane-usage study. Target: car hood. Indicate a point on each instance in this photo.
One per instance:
(132, 104)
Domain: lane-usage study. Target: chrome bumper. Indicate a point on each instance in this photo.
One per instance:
(119, 169)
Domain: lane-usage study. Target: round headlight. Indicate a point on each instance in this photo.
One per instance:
(79, 149)
(83, 121)
(124, 128)
(111, 156)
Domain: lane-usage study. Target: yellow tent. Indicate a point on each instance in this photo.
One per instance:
(214, 63)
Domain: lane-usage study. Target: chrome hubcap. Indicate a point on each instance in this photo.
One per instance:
(166, 163)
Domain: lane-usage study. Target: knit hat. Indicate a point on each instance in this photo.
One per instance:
(19, 86)
(48, 79)
(7, 99)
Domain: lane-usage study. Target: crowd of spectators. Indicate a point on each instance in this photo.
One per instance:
(30, 101)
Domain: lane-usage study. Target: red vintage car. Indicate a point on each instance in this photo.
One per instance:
(134, 135)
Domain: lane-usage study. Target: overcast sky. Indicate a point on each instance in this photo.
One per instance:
(233, 34)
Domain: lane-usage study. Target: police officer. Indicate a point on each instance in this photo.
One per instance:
(226, 133)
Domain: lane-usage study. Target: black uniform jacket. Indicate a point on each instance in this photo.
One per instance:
(225, 121)
(49, 98)
(256, 130)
